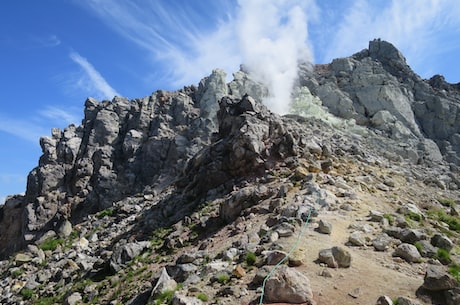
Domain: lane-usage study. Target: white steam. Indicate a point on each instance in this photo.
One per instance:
(272, 37)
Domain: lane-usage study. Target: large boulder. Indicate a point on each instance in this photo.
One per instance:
(287, 285)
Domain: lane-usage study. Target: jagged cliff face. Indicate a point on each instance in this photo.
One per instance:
(378, 89)
(185, 139)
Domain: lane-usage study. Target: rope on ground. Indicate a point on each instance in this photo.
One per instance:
(293, 248)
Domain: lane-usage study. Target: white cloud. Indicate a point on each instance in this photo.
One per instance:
(60, 116)
(175, 36)
(24, 129)
(270, 37)
(417, 28)
(49, 41)
(92, 81)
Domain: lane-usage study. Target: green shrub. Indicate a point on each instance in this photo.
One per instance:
(223, 278)
(250, 258)
(51, 244)
(203, 297)
(27, 293)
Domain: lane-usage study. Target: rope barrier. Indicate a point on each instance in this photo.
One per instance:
(293, 248)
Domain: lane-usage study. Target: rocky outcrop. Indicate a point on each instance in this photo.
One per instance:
(377, 89)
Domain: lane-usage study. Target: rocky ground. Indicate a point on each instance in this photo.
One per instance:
(203, 196)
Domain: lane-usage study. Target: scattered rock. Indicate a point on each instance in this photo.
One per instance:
(437, 279)
(384, 300)
(355, 293)
(382, 242)
(73, 299)
(407, 301)
(408, 252)
(324, 227)
(357, 239)
(164, 283)
(441, 241)
(335, 257)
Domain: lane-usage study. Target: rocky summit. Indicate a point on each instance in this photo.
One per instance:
(204, 196)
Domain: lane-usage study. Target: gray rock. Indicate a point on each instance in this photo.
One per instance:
(408, 252)
(437, 279)
(382, 242)
(65, 229)
(324, 227)
(274, 257)
(127, 252)
(73, 299)
(164, 283)
(181, 299)
(384, 300)
(407, 301)
(335, 257)
(452, 296)
(441, 241)
(357, 239)
(287, 285)
(426, 249)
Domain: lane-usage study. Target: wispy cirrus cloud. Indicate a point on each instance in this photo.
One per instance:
(177, 36)
(91, 81)
(417, 28)
(60, 116)
(49, 41)
(22, 128)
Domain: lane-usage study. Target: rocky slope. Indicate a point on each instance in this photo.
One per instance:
(193, 196)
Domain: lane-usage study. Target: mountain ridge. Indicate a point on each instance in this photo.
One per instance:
(163, 159)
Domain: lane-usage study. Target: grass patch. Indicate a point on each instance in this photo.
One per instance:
(223, 278)
(452, 221)
(443, 256)
(26, 293)
(414, 216)
(419, 246)
(447, 202)
(250, 258)
(103, 213)
(390, 218)
(165, 297)
(454, 270)
(202, 297)
(51, 244)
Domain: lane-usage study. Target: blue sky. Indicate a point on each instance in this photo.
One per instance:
(55, 53)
